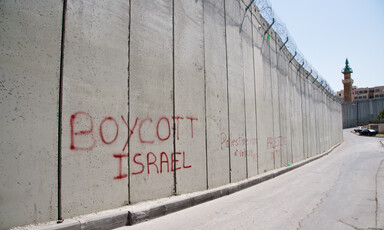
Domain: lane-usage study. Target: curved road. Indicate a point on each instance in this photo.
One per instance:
(343, 190)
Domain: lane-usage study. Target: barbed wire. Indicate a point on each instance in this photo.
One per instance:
(266, 11)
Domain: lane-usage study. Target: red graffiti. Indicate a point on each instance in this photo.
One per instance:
(192, 119)
(157, 129)
(152, 164)
(235, 142)
(130, 131)
(140, 126)
(101, 130)
(163, 154)
(142, 166)
(177, 125)
(144, 127)
(275, 143)
(120, 156)
(81, 132)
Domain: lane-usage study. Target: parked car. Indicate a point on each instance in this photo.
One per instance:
(359, 128)
(368, 132)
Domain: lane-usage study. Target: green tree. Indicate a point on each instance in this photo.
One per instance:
(381, 114)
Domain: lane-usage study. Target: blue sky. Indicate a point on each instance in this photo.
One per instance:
(329, 31)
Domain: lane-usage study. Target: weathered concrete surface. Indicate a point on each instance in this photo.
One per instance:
(264, 111)
(216, 94)
(95, 71)
(297, 129)
(29, 82)
(235, 91)
(361, 111)
(337, 191)
(189, 96)
(275, 138)
(151, 97)
(249, 94)
(282, 74)
(157, 100)
(137, 213)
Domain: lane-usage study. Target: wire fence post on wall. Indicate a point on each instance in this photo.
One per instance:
(266, 11)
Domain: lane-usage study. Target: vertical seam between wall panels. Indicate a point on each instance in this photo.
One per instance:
(128, 85)
(226, 65)
(245, 107)
(316, 117)
(278, 97)
(287, 117)
(273, 112)
(205, 100)
(291, 94)
(254, 92)
(60, 115)
(302, 115)
(173, 95)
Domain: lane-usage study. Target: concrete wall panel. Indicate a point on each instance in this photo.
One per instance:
(151, 99)
(312, 119)
(189, 97)
(157, 100)
(216, 94)
(249, 92)
(29, 81)
(235, 91)
(264, 113)
(361, 111)
(289, 111)
(282, 74)
(304, 114)
(94, 133)
(298, 121)
(275, 139)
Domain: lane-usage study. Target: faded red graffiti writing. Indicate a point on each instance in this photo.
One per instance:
(275, 143)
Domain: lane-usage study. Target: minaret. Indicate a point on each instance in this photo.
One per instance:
(348, 81)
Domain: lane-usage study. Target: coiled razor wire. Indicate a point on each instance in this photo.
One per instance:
(266, 11)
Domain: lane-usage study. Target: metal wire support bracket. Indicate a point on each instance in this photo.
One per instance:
(301, 66)
(245, 12)
(284, 43)
(270, 26)
(308, 74)
(293, 57)
(317, 76)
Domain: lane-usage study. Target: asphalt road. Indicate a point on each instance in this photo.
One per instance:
(343, 190)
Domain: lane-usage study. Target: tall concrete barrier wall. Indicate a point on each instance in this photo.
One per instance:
(105, 104)
(361, 112)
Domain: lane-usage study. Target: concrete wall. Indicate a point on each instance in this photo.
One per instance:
(105, 104)
(361, 112)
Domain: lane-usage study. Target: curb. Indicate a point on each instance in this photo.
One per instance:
(126, 218)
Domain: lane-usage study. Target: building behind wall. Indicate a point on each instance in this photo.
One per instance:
(352, 93)
(359, 94)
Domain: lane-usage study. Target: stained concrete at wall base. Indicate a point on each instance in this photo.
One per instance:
(157, 100)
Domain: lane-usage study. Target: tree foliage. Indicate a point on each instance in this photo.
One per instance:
(381, 114)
